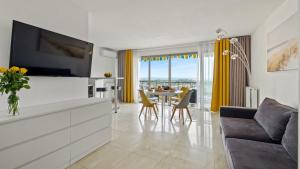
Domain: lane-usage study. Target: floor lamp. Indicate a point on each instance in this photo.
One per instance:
(239, 54)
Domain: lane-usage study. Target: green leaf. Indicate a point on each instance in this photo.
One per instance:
(26, 86)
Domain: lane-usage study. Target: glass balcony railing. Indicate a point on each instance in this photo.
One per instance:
(176, 84)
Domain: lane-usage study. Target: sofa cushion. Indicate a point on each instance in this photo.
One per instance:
(237, 112)
(244, 129)
(273, 117)
(290, 137)
(247, 154)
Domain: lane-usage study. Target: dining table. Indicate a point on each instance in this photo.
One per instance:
(164, 94)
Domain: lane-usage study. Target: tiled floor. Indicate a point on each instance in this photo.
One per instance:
(159, 144)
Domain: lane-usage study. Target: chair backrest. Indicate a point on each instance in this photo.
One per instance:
(185, 101)
(144, 98)
(184, 90)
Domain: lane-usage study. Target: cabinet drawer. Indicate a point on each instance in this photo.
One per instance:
(22, 130)
(84, 129)
(88, 144)
(21, 154)
(89, 112)
(58, 159)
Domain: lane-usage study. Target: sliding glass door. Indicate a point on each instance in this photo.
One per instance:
(180, 70)
(144, 75)
(159, 72)
(184, 72)
(175, 71)
(206, 79)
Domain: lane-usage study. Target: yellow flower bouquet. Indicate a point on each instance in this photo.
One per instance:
(13, 80)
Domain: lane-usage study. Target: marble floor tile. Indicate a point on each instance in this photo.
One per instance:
(147, 143)
(76, 166)
(136, 161)
(105, 157)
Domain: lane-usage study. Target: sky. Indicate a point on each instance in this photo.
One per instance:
(181, 69)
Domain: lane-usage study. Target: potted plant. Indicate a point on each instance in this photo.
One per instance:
(13, 80)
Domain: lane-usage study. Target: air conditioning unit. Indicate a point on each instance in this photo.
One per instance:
(106, 52)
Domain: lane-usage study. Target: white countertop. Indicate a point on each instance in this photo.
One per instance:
(43, 109)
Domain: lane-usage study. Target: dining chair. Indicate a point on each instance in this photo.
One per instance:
(148, 104)
(152, 97)
(181, 105)
(177, 98)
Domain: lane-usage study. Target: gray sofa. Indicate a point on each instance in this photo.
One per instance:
(263, 138)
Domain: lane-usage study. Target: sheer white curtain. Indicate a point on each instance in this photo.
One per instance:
(136, 68)
(205, 74)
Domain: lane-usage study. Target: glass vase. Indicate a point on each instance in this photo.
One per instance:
(13, 103)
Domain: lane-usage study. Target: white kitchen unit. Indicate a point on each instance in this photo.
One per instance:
(53, 136)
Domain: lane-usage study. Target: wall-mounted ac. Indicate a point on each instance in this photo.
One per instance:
(106, 52)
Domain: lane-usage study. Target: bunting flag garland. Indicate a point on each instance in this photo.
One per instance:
(167, 57)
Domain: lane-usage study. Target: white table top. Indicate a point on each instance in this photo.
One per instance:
(166, 93)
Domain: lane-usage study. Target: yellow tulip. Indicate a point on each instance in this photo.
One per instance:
(3, 69)
(14, 69)
(23, 70)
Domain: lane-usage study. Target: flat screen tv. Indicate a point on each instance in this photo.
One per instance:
(46, 53)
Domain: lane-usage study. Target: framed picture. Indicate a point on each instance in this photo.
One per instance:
(283, 46)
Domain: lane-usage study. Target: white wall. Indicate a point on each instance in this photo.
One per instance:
(101, 64)
(283, 85)
(56, 15)
(174, 49)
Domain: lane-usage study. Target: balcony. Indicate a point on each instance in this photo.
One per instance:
(177, 84)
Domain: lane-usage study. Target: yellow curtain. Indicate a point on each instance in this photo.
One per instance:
(220, 90)
(128, 79)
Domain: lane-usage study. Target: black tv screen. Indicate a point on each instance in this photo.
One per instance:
(46, 53)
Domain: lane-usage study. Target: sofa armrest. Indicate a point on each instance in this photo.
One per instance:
(237, 112)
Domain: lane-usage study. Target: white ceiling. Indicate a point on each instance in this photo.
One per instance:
(123, 24)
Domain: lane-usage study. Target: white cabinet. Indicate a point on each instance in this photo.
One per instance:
(52, 140)
(58, 159)
(85, 113)
(26, 152)
(85, 129)
(27, 129)
(83, 147)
